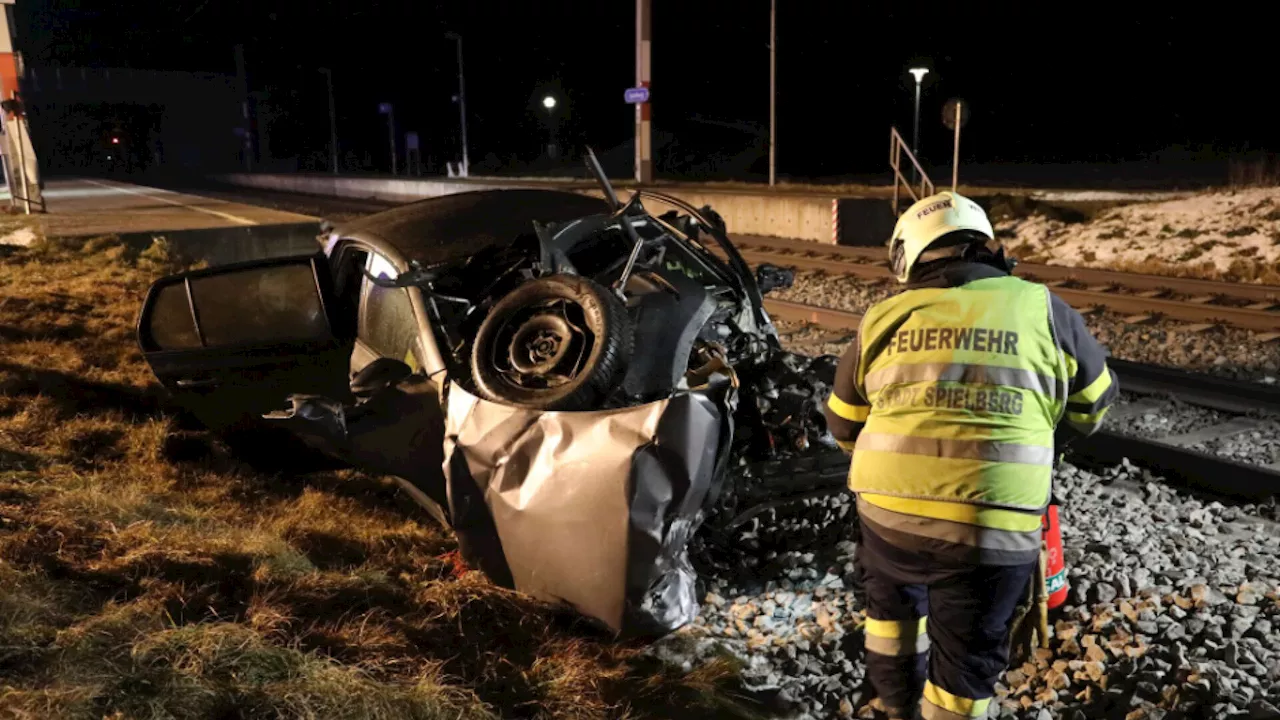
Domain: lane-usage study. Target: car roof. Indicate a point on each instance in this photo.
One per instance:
(452, 227)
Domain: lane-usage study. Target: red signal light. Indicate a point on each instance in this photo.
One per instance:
(115, 141)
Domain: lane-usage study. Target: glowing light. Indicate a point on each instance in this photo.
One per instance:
(919, 73)
(549, 102)
(115, 141)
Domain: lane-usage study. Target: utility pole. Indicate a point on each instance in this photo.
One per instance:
(389, 111)
(644, 146)
(22, 172)
(773, 92)
(243, 81)
(955, 157)
(462, 103)
(333, 122)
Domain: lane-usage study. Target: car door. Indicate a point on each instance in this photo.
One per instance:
(232, 343)
(402, 432)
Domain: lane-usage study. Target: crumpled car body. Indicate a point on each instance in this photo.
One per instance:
(576, 386)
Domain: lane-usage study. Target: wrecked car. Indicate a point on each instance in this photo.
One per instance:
(576, 385)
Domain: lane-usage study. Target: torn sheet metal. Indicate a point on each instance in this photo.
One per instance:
(395, 432)
(595, 508)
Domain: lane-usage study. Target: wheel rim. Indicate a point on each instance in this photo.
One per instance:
(542, 347)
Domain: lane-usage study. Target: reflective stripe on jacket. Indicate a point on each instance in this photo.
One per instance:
(965, 386)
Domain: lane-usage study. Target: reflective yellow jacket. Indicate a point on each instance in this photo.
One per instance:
(950, 398)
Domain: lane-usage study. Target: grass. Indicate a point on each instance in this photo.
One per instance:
(146, 573)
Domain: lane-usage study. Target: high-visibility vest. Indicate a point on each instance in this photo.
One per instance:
(966, 385)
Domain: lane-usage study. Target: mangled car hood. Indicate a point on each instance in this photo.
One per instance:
(595, 509)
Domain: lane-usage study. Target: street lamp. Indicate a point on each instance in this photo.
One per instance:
(919, 74)
(549, 103)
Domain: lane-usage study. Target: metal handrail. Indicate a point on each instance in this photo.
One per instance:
(896, 147)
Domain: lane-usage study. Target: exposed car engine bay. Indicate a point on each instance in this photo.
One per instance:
(621, 309)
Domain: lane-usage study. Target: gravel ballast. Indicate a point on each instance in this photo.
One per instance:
(1172, 613)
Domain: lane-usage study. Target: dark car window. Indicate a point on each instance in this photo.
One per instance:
(171, 326)
(260, 306)
(253, 306)
(349, 280)
(389, 327)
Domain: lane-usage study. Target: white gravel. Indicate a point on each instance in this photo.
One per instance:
(1257, 447)
(1162, 420)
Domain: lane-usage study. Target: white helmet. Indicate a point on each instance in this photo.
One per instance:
(943, 220)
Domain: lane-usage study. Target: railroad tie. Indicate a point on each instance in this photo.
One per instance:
(1234, 426)
(1134, 409)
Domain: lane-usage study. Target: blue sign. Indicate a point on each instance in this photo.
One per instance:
(637, 95)
(384, 108)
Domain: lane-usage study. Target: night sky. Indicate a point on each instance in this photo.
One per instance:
(1059, 82)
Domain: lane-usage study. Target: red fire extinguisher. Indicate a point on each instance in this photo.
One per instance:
(1055, 573)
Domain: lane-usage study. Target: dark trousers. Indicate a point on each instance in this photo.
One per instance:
(955, 664)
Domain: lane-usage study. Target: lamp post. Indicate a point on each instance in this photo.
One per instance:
(549, 103)
(333, 122)
(773, 92)
(462, 102)
(919, 74)
(389, 111)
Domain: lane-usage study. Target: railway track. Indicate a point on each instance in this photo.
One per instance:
(1244, 407)
(1202, 302)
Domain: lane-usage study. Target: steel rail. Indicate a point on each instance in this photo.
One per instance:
(1089, 277)
(1245, 318)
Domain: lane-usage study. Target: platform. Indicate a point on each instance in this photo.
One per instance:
(89, 207)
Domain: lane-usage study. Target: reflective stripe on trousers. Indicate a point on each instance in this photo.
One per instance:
(952, 532)
(941, 705)
(896, 637)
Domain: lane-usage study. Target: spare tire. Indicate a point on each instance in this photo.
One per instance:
(560, 342)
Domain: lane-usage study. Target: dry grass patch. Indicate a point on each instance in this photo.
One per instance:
(145, 572)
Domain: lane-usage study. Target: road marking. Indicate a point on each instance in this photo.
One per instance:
(207, 211)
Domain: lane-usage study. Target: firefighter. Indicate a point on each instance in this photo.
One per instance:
(951, 400)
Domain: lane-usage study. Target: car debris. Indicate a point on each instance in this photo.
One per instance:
(576, 386)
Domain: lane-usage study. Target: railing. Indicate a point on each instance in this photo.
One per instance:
(898, 146)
